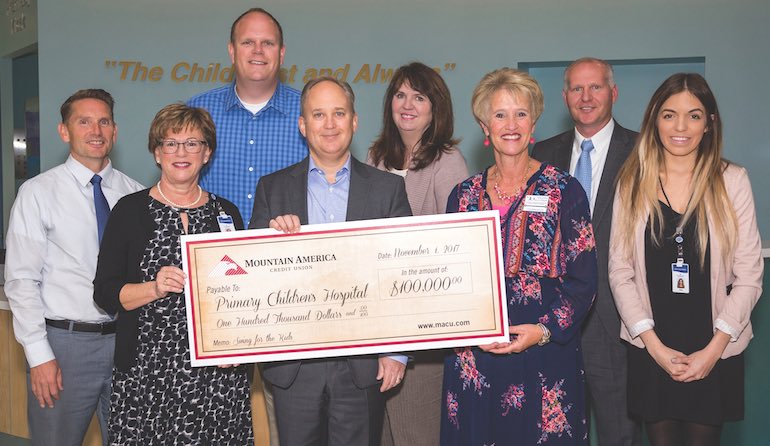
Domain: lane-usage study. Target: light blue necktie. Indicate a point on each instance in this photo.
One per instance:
(102, 207)
(583, 168)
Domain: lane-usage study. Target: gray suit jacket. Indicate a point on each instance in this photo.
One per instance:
(558, 151)
(373, 194)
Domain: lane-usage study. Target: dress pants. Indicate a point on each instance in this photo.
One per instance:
(413, 409)
(86, 361)
(606, 378)
(324, 407)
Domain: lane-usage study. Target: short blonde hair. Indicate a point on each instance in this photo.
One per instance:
(518, 83)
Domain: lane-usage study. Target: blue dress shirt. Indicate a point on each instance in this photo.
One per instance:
(328, 203)
(250, 145)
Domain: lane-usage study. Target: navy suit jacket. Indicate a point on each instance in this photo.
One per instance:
(372, 194)
(558, 151)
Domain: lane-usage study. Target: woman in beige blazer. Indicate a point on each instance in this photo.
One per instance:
(416, 142)
(685, 268)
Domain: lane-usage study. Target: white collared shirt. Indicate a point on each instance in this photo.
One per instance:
(51, 251)
(601, 142)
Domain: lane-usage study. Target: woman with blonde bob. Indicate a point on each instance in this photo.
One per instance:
(685, 268)
(529, 390)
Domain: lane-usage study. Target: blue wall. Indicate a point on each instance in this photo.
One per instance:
(78, 38)
(754, 429)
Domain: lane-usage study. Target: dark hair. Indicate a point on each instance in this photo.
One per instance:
(261, 11)
(178, 117)
(695, 84)
(437, 138)
(342, 84)
(639, 178)
(89, 93)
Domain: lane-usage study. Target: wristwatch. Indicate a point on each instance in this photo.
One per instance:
(546, 335)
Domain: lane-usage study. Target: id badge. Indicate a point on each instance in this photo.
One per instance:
(225, 223)
(680, 278)
(536, 203)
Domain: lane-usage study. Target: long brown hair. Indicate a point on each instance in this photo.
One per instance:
(638, 179)
(437, 138)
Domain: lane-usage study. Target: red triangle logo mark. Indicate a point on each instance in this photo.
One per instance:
(227, 267)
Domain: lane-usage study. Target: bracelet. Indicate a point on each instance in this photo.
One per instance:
(546, 335)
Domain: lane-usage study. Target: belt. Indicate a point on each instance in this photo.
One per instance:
(104, 328)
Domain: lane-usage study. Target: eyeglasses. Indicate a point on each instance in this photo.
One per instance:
(169, 146)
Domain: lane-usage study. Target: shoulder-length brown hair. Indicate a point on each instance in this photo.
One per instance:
(437, 138)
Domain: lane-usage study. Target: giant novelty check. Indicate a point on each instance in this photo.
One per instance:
(374, 286)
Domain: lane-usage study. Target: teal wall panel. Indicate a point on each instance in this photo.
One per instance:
(79, 40)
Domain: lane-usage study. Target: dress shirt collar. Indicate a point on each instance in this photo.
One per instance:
(600, 140)
(83, 174)
(314, 167)
(278, 101)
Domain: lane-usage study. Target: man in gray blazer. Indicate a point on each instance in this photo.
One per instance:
(593, 152)
(332, 401)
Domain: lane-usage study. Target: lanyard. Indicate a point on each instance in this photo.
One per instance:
(679, 233)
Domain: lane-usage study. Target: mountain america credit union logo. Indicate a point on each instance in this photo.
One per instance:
(227, 267)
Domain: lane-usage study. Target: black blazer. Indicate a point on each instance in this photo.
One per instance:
(558, 151)
(373, 194)
(128, 231)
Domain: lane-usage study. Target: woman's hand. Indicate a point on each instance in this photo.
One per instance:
(170, 279)
(700, 363)
(285, 223)
(523, 337)
(663, 355)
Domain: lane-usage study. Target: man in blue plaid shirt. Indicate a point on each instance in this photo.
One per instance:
(256, 116)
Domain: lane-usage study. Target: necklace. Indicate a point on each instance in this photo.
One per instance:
(505, 197)
(180, 206)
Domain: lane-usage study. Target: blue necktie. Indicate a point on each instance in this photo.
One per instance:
(583, 168)
(102, 207)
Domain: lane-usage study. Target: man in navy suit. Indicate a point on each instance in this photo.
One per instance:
(331, 401)
(589, 93)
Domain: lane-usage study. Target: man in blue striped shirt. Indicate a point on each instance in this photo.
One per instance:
(256, 116)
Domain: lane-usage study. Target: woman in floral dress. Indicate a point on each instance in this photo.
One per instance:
(529, 390)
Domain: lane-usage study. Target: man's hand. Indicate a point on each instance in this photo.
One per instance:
(391, 372)
(46, 382)
(288, 223)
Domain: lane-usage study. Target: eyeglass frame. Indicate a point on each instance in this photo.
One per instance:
(164, 149)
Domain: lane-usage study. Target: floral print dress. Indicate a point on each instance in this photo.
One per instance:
(537, 396)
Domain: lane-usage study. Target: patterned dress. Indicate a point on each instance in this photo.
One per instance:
(537, 396)
(163, 400)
